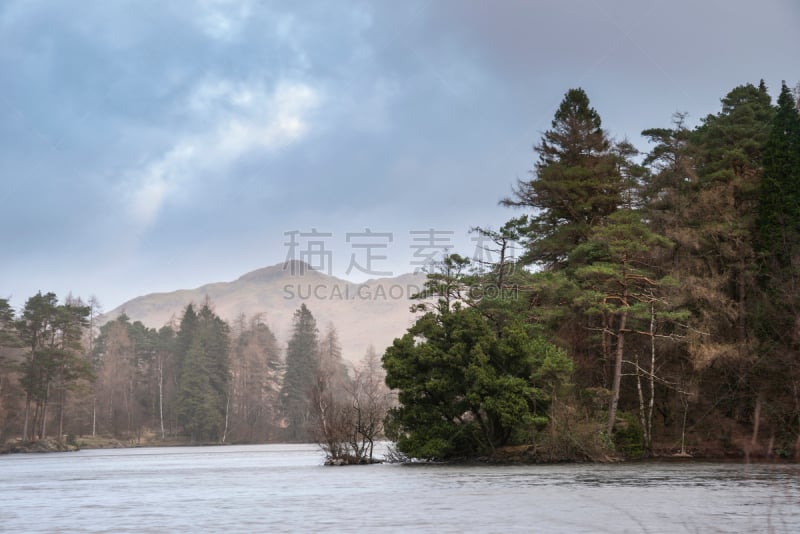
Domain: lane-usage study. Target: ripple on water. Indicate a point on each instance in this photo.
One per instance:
(285, 488)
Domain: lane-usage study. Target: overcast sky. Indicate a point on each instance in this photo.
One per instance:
(149, 146)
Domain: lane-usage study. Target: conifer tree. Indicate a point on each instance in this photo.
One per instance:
(719, 228)
(8, 336)
(619, 285)
(777, 241)
(203, 383)
(576, 183)
(52, 334)
(778, 223)
(302, 362)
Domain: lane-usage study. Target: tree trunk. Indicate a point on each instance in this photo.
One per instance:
(640, 393)
(685, 399)
(615, 387)
(44, 411)
(27, 416)
(741, 323)
(227, 411)
(161, 394)
(756, 423)
(648, 436)
(62, 401)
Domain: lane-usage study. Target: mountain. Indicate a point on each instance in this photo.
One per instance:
(369, 313)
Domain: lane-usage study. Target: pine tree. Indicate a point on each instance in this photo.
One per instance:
(778, 223)
(302, 362)
(186, 332)
(719, 223)
(577, 183)
(777, 242)
(619, 285)
(198, 403)
(203, 391)
(53, 335)
(8, 335)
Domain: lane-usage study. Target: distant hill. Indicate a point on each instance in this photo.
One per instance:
(369, 313)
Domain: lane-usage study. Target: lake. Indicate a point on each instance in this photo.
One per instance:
(285, 488)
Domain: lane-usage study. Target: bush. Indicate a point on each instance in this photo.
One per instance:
(629, 436)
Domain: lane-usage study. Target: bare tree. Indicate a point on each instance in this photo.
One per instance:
(348, 417)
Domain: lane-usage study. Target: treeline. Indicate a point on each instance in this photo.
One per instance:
(654, 307)
(198, 380)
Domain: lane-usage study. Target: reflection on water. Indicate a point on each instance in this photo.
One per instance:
(285, 488)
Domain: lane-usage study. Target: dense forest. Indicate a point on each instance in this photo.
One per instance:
(653, 309)
(636, 304)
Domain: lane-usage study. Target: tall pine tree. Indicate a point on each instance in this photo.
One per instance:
(302, 362)
(203, 383)
(778, 223)
(577, 183)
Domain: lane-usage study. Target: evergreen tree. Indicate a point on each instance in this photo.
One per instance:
(465, 389)
(777, 241)
(670, 177)
(185, 334)
(302, 362)
(619, 285)
(53, 334)
(577, 183)
(203, 393)
(721, 217)
(8, 335)
(198, 403)
(778, 223)
(8, 341)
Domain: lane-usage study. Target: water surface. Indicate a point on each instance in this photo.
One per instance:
(285, 488)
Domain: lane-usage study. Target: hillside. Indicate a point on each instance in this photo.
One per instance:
(369, 313)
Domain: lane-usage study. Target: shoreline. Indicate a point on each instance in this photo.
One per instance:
(521, 457)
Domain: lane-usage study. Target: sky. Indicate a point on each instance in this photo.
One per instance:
(148, 146)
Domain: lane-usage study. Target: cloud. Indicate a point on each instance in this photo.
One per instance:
(223, 19)
(236, 119)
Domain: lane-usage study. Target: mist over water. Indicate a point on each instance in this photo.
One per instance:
(285, 488)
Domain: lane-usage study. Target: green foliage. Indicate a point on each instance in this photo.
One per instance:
(185, 334)
(8, 334)
(629, 437)
(465, 389)
(778, 223)
(203, 380)
(198, 402)
(302, 362)
(577, 183)
(52, 334)
(731, 142)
